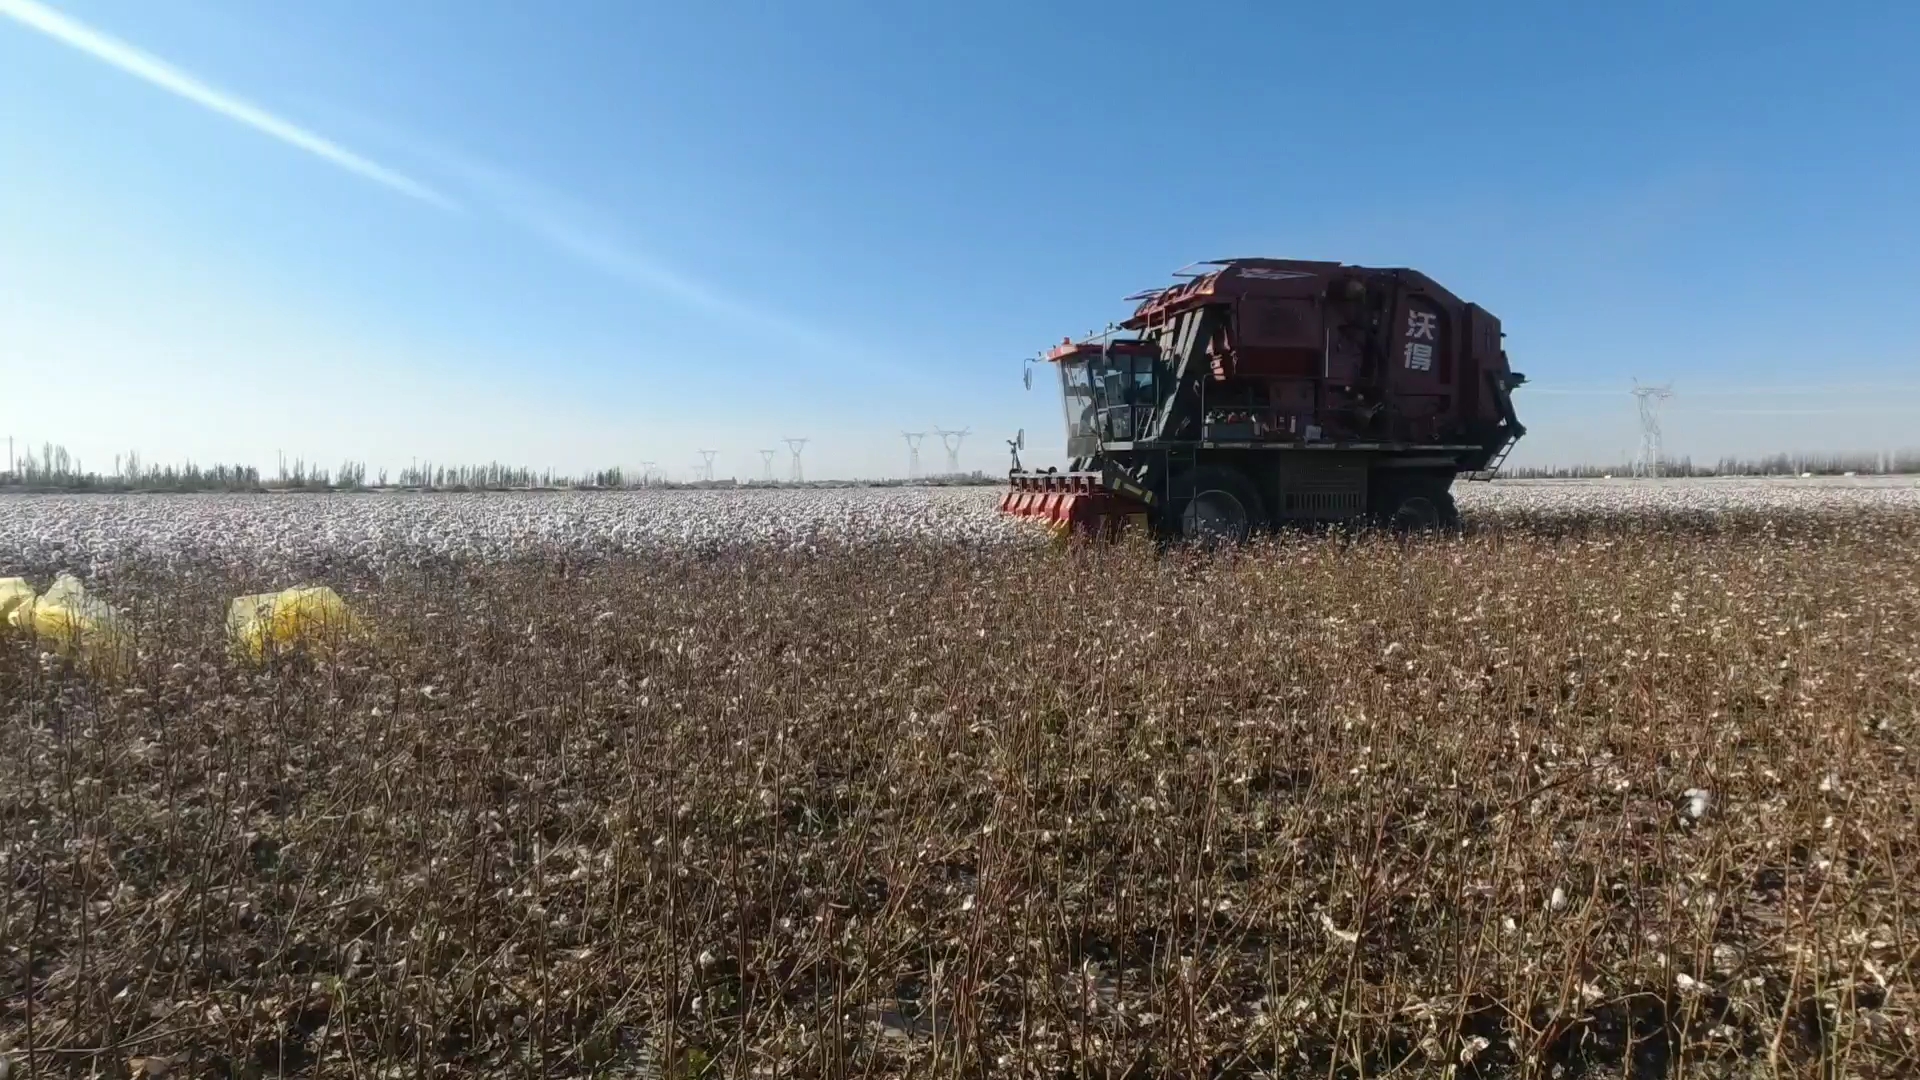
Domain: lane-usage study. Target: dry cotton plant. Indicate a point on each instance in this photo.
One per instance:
(1604, 798)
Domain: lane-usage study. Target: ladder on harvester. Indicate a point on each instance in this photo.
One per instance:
(1503, 386)
(1493, 463)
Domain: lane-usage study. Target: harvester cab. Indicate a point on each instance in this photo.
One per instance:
(1108, 388)
(1258, 391)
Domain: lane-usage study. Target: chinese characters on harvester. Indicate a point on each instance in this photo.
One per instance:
(1421, 328)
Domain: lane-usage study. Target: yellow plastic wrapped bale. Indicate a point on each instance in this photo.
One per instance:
(74, 624)
(311, 615)
(13, 592)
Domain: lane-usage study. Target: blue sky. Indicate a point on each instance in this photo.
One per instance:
(596, 233)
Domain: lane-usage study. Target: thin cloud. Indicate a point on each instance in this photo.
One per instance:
(579, 232)
(77, 35)
(1746, 391)
(1829, 388)
(587, 237)
(1865, 410)
(611, 258)
(572, 230)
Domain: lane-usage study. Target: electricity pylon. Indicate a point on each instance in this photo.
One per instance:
(952, 441)
(1650, 398)
(797, 445)
(914, 439)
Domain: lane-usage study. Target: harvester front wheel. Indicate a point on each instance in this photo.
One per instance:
(1217, 506)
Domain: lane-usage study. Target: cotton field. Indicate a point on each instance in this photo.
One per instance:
(1631, 497)
(1620, 783)
(382, 527)
(398, 527)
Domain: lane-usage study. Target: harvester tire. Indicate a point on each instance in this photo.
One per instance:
(1216, 505)
(1417, 504)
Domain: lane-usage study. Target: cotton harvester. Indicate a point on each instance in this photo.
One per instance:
(1256, 392)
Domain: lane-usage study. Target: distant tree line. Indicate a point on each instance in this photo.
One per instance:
(494, 476)
(53, 468)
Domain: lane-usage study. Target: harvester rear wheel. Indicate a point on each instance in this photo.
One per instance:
(1217, 506)
(1416, 504)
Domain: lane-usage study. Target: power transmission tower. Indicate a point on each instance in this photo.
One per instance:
(952, 440)
(646, 473)
(797, 445)
(766, 458)
(1650, 398)
(914, 439)
(707, 469)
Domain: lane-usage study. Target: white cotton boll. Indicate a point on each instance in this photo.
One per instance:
(1558, 901)
(1699, 801)
(1727, 958)
(1347, 937)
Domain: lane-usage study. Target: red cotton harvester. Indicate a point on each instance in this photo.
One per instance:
(1256, 392)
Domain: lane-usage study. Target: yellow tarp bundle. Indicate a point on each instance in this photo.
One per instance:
(13, 592)
(66, 618)
(312, 615)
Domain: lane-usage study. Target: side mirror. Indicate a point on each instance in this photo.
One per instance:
(1020, 439)
(1026, 372)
